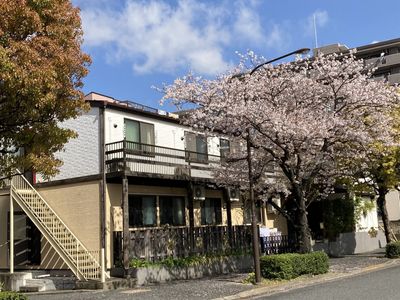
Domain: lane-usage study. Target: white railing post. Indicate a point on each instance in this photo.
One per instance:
(103, 267)
(77, 260)
(11, 233)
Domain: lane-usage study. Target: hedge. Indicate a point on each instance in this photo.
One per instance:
(393, 250)
(12, 296)
(292, 265)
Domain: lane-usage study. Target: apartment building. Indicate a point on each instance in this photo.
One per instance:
(384, 56)
(135, 183)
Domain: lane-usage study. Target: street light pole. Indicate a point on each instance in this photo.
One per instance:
(254, 228)
(298, 51)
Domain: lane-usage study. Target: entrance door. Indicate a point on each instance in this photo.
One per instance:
(26, 240)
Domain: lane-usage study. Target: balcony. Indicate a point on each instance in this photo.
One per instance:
(138, 159)
(388, 61)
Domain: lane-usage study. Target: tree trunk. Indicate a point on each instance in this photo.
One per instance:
(303, 233)
(382, 207)
(302, 230)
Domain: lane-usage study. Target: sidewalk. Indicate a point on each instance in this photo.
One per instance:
(231, 286)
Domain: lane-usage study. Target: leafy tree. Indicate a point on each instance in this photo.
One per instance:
(41, 71)
(303, 116)
(379, 171)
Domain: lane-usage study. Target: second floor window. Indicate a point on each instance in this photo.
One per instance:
(196, 147)
(139, 133)
(224, 148)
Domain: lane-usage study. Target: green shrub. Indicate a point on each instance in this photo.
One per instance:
(12, 296)
(393, 250)
(292, 265)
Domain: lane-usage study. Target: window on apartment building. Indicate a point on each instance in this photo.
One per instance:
(247, 212)
(172, 210)
(139, 136)
(196, 147)
(211, 211)
(224, 148)
(142, 211)
(227, 147)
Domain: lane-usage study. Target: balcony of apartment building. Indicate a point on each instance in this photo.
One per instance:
(163, 151)
(149, 160)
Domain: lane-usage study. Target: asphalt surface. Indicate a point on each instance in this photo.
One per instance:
(228, 285)
(382, 284)
(208, 288)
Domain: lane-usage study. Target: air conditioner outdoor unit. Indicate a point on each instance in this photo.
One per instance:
(234, 194)
(271, 209)
(199, 193)
(182, 171)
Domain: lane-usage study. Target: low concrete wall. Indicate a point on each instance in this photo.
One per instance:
(352, 243)
(218, 266)
(12, 282)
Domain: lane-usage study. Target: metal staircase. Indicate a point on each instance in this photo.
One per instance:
(82, 262)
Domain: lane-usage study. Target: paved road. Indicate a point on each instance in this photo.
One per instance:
(383, 284)
(207, 288)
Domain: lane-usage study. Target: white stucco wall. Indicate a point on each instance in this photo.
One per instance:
(166, 134)
(369, 220)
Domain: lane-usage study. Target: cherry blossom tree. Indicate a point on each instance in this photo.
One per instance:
(303, 119)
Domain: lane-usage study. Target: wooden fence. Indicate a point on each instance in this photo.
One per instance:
(159, 243)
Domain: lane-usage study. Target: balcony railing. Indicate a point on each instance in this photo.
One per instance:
(151, 159)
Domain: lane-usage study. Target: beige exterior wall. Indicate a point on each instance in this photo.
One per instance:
(4, 209)
(237, 213)
(277, 221)
(393, 205)
(78, 205)
(49, 258)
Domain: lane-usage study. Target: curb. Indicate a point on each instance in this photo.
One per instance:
(319, 279)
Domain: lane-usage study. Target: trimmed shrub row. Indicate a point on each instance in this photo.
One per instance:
(393, 250)
(12, 296)
(292, 265)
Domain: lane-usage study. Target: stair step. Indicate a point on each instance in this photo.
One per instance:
(28, 289)
(42, 284)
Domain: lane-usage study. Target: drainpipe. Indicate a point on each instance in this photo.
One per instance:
(103, 184)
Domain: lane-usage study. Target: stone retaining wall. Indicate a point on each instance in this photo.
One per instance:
(225, 265)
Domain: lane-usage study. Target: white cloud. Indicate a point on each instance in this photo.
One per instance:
(321, 19)
(277, 37)
(248, 25)
(157, 36)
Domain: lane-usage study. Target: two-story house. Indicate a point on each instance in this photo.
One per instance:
(135, 183)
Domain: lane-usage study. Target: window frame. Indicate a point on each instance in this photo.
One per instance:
(193, 156)
(173, 199)
(133, 225)
(144, 149)
(217, 219)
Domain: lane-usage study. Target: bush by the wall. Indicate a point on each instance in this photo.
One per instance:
(393, 250)
(292, 265)
(12, 296)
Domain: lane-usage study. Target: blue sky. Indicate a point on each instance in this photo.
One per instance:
(135, 44)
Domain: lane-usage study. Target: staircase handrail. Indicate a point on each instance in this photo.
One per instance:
(79, 243)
